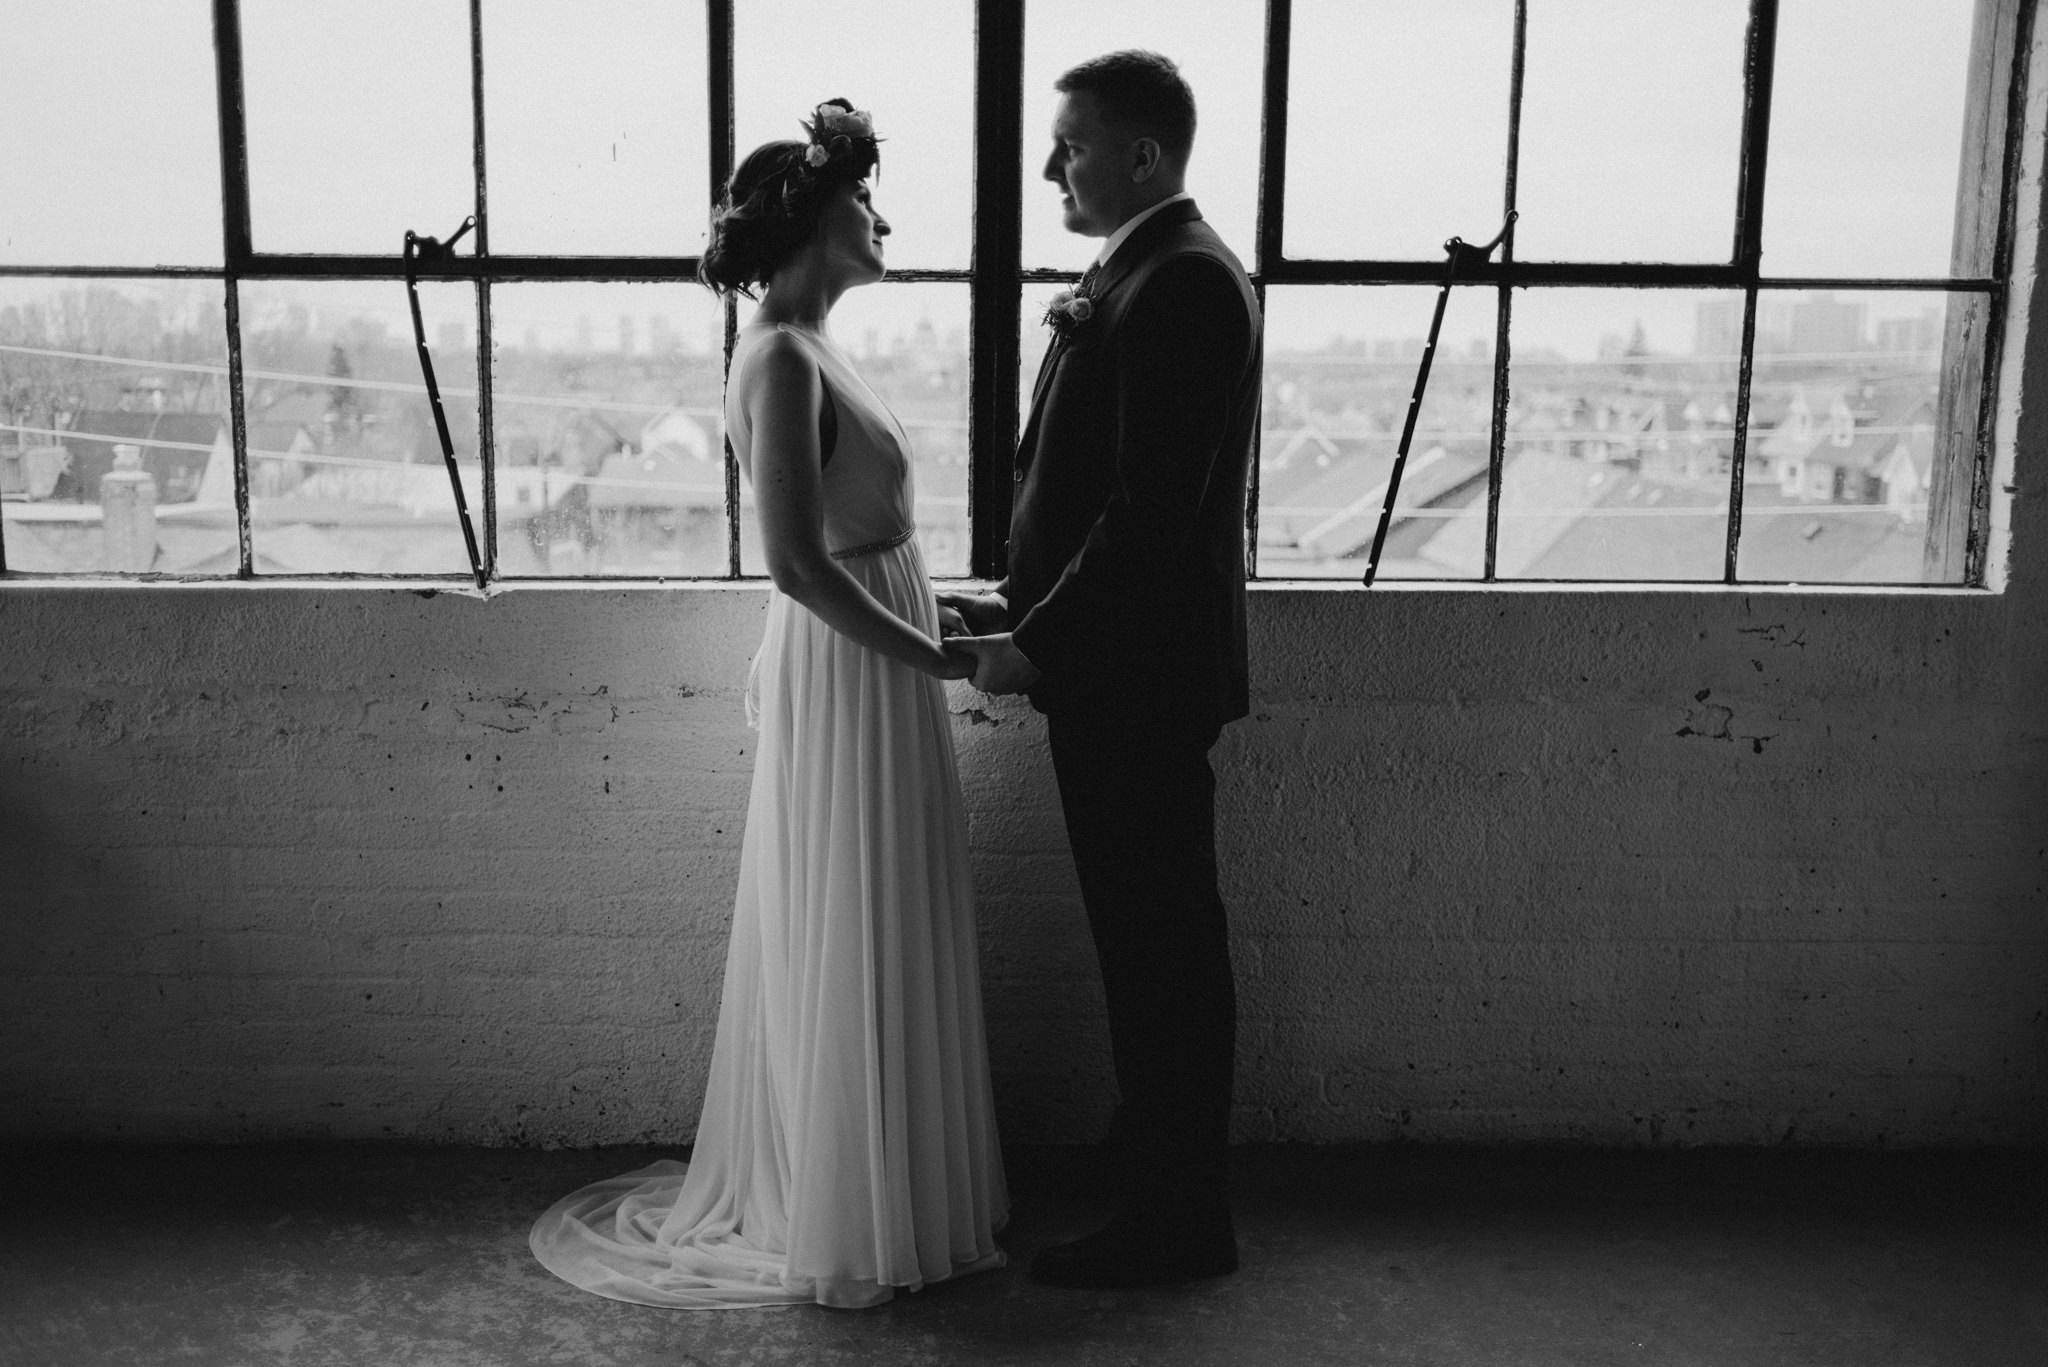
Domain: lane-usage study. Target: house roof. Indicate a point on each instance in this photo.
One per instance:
(1564, 519)
(102, 428)
(174, 448)
(1822, 543)
(1886, 418)
(660, 478)
(1337, 513)
(1630, 526)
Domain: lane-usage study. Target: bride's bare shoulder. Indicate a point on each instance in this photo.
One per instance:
(770, 364)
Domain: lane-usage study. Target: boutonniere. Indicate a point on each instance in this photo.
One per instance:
(1068, 312)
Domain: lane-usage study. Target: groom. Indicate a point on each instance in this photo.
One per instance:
(1123, 619)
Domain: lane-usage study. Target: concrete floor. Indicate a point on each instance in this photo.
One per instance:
(386, 1256)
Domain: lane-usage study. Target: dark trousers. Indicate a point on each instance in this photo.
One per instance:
(1140, 805)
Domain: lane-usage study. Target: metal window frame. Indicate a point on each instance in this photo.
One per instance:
(1993, 123)
(1986, 203)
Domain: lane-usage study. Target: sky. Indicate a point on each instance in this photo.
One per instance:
(595, 132)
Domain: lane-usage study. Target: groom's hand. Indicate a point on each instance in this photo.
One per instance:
(984, 613)
(1001, 667)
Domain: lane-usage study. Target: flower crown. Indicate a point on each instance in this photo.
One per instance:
(837, 130)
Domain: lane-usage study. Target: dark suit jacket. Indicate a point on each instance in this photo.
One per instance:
(1126, 584)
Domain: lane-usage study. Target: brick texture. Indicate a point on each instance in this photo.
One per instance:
(1601, 867)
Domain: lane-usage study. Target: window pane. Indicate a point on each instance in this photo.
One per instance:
(345, 469)
(1222, 56)
(1397, 126)
(1631, 131)
(1035, 338)
(1845, 403)
(88, 367)
(596, 122)
(1866, 132)
(909, 343)
(359, 122)
(1619, 432)
(1340, 370)
(912, 65)
(611, 446)
(111, 155)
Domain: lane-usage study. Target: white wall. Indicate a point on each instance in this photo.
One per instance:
(1615, 867)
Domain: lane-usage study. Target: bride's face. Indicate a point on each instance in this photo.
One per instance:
(852, 233)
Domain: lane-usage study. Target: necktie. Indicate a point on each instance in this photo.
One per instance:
(1088, 277)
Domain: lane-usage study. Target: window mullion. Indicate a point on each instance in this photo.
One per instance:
(234, 137)
(485, 436)
(1497, 432)
(1271, 224)
(718, 68)
(1738, 440)
(998, 258)
(1273, 135)
(1759, 74)
(1993, 119)
(1758, 78)
(236, 250)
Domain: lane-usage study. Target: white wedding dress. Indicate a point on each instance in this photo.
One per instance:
(847, 1144)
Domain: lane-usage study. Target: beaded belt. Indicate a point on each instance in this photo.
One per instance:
(851, 551)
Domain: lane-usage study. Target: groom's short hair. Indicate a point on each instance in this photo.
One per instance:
(1140, 90)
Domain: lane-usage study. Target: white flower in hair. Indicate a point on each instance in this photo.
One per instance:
(856, 123)
(817, 155)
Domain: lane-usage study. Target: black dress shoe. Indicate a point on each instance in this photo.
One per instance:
(1131, 1252)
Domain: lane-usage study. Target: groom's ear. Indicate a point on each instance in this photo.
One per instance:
(1145, 158)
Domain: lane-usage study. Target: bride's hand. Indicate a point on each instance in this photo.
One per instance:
(955, 662)
(951, 623)
(999, 667)
(983, 613)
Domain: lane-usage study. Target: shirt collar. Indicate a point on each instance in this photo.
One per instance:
(1122, 234)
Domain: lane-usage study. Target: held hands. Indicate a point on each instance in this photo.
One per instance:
(976, 645)
(951, 663)
(998, 666)
(981, 613)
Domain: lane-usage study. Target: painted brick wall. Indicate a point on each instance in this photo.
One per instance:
(1606, 867)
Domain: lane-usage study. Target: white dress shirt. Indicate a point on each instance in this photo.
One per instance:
(1130, 225)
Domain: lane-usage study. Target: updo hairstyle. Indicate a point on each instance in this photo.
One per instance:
(773, 202)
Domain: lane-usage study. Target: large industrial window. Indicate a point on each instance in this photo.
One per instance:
(1743, 330)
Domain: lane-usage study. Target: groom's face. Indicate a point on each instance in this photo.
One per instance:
(1091, 162)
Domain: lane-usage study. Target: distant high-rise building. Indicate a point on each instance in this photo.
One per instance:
(1918, 337)
(1823, 325)
(1773, 323)
(1717, 327)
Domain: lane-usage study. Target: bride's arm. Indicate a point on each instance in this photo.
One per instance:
(783, 404)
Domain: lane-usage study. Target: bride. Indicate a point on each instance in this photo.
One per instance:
(847, 1144)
